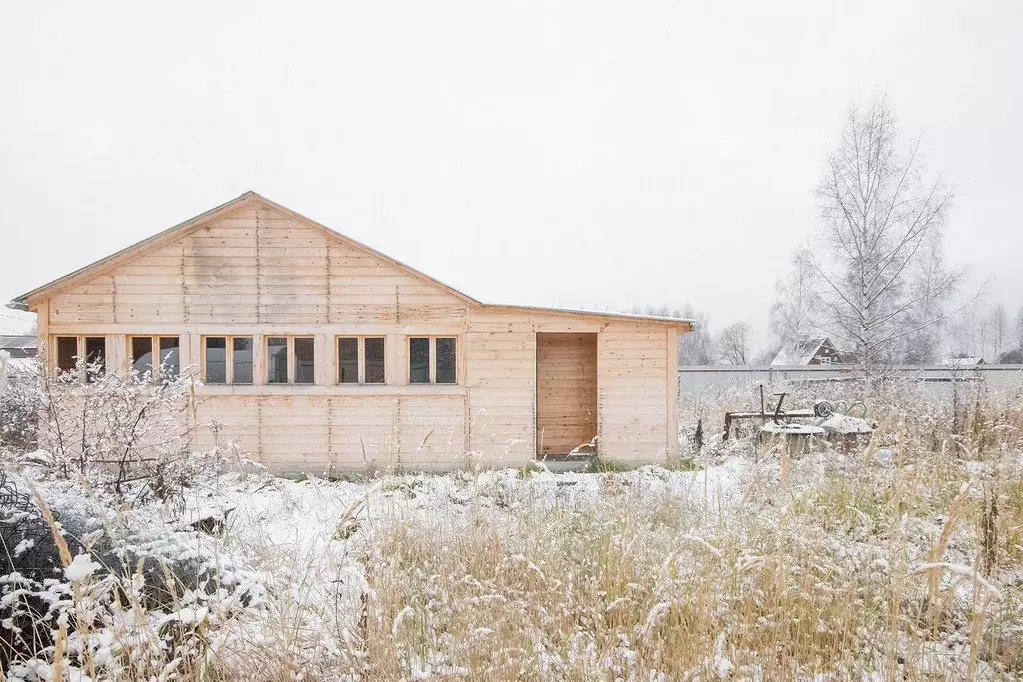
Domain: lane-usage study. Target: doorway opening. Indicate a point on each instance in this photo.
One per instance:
(566, 395)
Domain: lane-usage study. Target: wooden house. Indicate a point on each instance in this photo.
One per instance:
(811, 351)
(319, 354)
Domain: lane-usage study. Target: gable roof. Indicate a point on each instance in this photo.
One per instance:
(26, 300)
(17, 341)
(801, 353)
(182, 229)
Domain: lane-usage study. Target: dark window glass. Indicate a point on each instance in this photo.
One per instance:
(170, 356)
(95, 355)
(374, 360)
(304, 364)
(348, 361)
(277, 360)
(67, 353)
(419, 360)
(445, 361)
(242, 359)
(216, 360)
(142, 354)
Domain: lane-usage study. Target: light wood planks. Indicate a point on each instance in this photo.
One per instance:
(566, 376)
(256, 266)
(633, 393)
(260, 271)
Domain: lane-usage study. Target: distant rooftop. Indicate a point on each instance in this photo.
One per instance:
(18, 341)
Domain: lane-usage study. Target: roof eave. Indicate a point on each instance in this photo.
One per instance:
(626, 317)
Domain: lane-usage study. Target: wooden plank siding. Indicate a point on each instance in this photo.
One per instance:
(259, 270)
(566, 375)
(632, 363)
(255, 266)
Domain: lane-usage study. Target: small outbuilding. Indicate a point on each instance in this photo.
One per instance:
(319, 354)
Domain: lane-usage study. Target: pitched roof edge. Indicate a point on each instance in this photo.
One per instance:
(637, 317)
(356, 243)
(22, 302)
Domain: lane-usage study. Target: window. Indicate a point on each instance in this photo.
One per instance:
(432, 360)
(348, 360)
(241, 360)
(170, 356)
(91, 348)
(142, 354)
(227, 359)
(290, 360)
(67, 353)
(445, 372)
(360, 360)
(419, 360)
(156, 354)
(277, 360)
(304, 361)
(95, 357)
(215, 360)
(374, 360)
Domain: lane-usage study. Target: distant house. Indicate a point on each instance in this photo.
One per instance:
(17, 353)
(963, 361)
(19, 346)
(810, 351)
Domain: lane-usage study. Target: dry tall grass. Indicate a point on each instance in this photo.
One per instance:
(885, 564)
(902, 561)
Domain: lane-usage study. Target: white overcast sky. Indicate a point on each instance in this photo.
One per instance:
(584, 154)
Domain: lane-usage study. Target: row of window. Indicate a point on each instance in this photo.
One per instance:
(93, 350)
(289, 359)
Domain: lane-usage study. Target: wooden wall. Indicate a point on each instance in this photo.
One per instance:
(637, 399)
(255, 266)
(566, 376)
(258, 271)
(327, 434)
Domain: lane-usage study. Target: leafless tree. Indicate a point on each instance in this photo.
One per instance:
(998, 323)
(766, 354)
(877, 262)
(696, 347)
(1019, 328)
(733, 343)
(792, 313)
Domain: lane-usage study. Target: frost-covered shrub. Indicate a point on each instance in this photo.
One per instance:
(128, 436)
(20, 401)
(30, 559)
(131, 596)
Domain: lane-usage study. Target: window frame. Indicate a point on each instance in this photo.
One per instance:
(433, 359)
(228, 357)
(154, 349)
(80, 352)
(360, 359)
(292, 360)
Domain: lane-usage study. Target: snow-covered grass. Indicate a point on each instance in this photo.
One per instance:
(901, 560)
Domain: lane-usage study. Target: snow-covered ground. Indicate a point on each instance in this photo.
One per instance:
(900, 560)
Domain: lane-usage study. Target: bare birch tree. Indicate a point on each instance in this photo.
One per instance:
(1019, 328)
(998, 322)
(734, 343)
(877, 261)
(792, 313)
